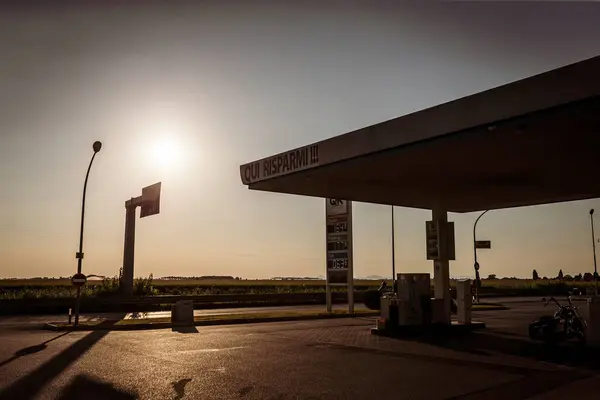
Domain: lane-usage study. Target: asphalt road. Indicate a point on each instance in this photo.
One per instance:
(332, 359)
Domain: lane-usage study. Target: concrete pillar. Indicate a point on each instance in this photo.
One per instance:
(328, 297)
(129, 248)
(464, 301)
(441, 266)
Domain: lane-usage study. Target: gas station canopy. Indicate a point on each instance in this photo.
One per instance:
(533, 141)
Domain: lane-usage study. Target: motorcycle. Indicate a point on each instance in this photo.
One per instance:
(373, 297)
(566, 324)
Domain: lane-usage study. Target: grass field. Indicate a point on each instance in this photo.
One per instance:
(496, 283)
(7, 283)
(58, 288)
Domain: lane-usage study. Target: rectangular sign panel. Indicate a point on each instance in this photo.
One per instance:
(338, 233)
(451, 244)
(483, 244)
(337, 278)
(432, 240)
(150, 200)
(338, 216)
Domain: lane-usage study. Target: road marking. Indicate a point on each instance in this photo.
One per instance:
(214, 350)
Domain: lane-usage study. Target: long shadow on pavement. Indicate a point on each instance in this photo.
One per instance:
(184, 329)
(88, 388)
(29, 386)
(582, 359)
(565, 354)
(31, 350)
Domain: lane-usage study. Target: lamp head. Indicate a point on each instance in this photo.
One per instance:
(97, 146)
(592, 211)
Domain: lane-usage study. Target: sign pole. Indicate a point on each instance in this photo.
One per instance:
(441, 263)
(476, 264)
(78, 280)
(594, 250)
(149, 203)
(129, 247)
(350, 262)
(328, 297)
(77, 303)
(393, 252)
(328, 304)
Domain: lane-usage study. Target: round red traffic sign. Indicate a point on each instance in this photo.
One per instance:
(78, 280)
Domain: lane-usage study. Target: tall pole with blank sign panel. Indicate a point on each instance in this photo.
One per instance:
(149, 203)
(150, 200)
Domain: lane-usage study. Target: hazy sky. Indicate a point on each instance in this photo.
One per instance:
(223, 83)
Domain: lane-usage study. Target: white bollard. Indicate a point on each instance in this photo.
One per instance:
(464, 301)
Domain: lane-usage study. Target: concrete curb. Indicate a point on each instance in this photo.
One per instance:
(235, 321)
(215, 322)
(498, 307)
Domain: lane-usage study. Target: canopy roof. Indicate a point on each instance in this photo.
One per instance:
(533, 141)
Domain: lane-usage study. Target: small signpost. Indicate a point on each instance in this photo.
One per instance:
(78, 280)
(483, 244)
(479, 244)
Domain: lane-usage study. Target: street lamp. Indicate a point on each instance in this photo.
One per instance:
(594, 249)
(96, 147)
(476, 264)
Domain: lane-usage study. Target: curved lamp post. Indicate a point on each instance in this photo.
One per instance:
(476, 264)
(96, 146)
(594, 249)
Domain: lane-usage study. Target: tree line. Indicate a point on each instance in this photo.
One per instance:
(586, 277)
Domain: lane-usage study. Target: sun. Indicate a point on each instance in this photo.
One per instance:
(166, 152)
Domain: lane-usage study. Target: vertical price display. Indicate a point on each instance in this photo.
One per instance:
(432, 240)
(339, 247)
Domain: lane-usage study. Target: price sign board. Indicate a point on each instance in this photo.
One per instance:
(339, 269)
(339, 241)
(432, 239)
